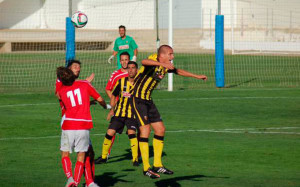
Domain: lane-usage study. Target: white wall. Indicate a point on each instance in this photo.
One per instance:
(140, 14)
(51, 14)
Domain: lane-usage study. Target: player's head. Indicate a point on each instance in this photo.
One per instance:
(132, 69)
(74, 65)
(124, 59)
(165, 52)
(122, 31)
(65, 75)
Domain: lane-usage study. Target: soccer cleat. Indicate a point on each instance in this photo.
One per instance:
(135, 163)
(70, 182)
(100, 160)
(162, 170)
(151, 174)
(92, 185)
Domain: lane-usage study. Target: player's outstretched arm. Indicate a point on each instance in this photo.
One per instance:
(189, 74)
(149, 62)
(102, 102)
(90, 78)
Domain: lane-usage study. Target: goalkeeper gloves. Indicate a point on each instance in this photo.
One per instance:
(134, 58)
(110, 59)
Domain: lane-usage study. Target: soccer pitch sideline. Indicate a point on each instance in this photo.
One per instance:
(229, 137)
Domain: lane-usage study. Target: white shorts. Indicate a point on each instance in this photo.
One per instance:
(78, 140)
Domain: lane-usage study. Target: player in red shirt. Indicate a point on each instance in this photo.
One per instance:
(89, 169)
(115, 76)
(76, 122)
(75, 66)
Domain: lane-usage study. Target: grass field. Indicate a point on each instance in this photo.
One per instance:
(226, 137)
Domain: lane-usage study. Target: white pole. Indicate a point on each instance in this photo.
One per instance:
(232, 30)
(170, 75)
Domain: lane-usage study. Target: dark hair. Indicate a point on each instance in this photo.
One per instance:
(65, 75)
(70, 62)
(122, 26)
(133, 62)
(125, 53)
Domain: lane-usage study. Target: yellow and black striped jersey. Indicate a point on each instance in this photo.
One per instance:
(147, 79)
(122, 90)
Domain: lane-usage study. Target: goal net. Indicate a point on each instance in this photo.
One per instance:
(261, 40)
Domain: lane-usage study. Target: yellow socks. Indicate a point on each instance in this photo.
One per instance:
(106, 145)
(144, 147)
(158, 145)
(134, 147)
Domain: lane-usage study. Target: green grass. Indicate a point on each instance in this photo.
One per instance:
(214, 138)
(35, 72)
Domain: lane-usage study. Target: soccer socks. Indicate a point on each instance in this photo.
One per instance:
(144, 147)
(112, 143)
(134, 146)
(67, 166)
(158, 145)
(79, 167)
(88, 173)
(106, 145)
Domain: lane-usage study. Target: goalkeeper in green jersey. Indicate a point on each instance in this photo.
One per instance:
(122, 44)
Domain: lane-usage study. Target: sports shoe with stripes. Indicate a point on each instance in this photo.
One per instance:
(70, 182)
(151, 174)
(92, 185)
(162, 170)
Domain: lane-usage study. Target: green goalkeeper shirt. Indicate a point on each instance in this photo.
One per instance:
(124, 45)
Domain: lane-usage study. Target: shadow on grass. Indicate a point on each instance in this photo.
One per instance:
(128, 156)
(173, 182)
(241, 83)
(109, 179)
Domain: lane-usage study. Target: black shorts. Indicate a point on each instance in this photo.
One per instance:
(145, 111)
(118, 123)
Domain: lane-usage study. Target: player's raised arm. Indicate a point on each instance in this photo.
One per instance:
(189, 74)
(90, 78)
(149, 62)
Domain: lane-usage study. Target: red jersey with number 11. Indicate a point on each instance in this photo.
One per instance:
(76, 99)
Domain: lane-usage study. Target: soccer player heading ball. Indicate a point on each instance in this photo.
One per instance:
(76, 122)
(150, 74)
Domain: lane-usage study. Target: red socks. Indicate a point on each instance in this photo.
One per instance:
(67, 166)
(79, 168)
(88, 171)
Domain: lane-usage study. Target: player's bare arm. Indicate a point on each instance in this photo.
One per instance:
(102, 102)
(108, 93)
(189, 74)
(90, 78)
(113, 102)
(148, 62)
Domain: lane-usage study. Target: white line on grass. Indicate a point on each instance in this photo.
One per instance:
(231, 131)
(30, 104)
(166, 99)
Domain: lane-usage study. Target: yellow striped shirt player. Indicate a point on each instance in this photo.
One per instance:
(150, 74)
(122, 115)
